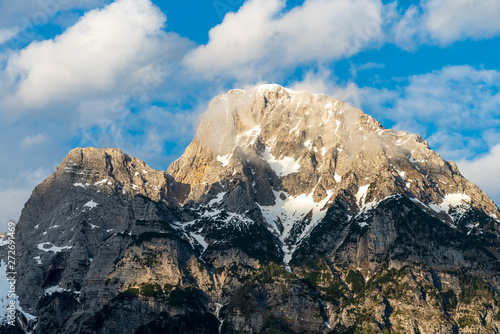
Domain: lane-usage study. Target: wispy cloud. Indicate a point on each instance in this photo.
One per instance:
(156, 135)
(262, 38)
(37, 139)
(452, 20)
(443, 22)
(7, 33)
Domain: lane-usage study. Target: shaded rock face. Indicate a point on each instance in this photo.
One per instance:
(289, 212)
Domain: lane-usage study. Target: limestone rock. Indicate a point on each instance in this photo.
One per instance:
(289, 212)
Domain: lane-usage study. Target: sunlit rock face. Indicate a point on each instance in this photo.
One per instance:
(288, 212)
(294, 153)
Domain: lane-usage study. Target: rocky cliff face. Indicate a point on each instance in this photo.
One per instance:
(289, 212)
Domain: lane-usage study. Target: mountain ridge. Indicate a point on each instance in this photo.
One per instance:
(271, 145)
(282, 199)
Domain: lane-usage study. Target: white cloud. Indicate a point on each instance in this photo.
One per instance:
(7, 33)
(454, 145)
(323, 81)
(163, 126)
(484, 171)
(369, 66)
(37, 139)
(456, 98)
(320, 81)
(107, 50)
(261, 38)
(112, 60)
(409, 30)
(13, 197)
(451, 20)
(446, 21)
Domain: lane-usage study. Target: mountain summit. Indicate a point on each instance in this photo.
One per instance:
(296, 153)
(288, 213)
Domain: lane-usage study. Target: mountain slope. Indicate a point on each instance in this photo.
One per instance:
(296, 152)
(288, 212)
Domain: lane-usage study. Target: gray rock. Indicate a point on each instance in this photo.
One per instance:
(289, 211)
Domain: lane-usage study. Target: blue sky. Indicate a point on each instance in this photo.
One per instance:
(137, 74)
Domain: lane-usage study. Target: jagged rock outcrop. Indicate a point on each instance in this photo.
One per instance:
(289, 212)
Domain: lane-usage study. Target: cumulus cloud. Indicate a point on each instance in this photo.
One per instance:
(451, 20)
(446, 21)
(484, 172)
(105, 50)
(96, 78)
(262, 38)
(323, 81)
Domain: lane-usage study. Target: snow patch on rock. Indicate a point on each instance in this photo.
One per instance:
(4, 291)
(282, 167)
(199, 239)
(105, 181)
(91, 204)
(48, 247)
(217, 199)
(224, 160)
(449, 201)
(291, 210)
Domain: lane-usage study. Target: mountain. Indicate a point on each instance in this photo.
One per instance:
(288, 213)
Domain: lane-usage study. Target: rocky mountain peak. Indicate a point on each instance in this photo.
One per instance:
(289, 212)
(111, 171)
(281, 158)
(293, 153)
